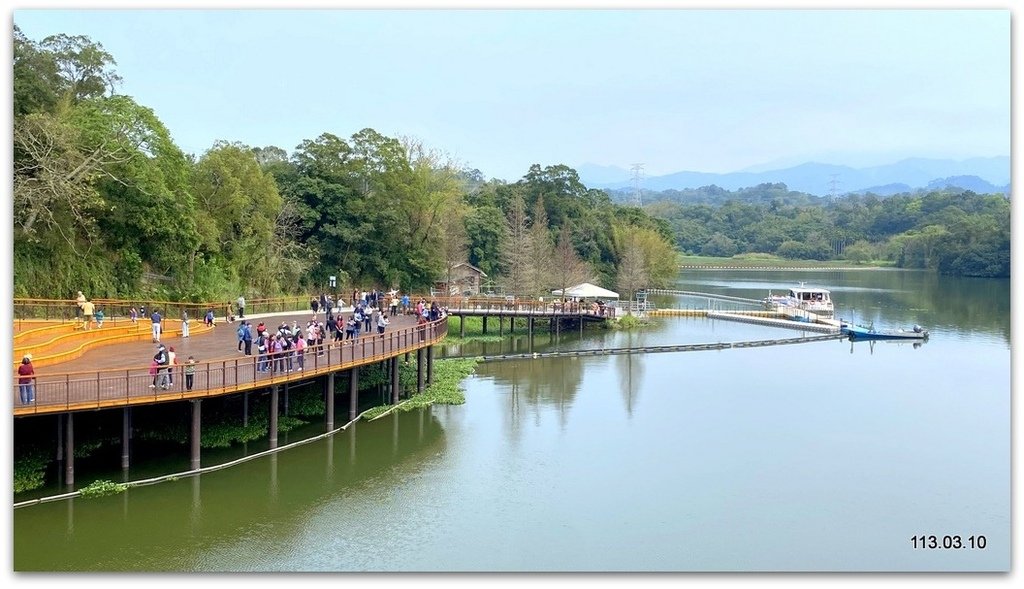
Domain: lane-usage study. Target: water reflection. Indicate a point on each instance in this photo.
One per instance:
(630, 368)
(223, 507)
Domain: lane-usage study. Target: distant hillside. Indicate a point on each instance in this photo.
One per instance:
(818, 179)
(972, 183)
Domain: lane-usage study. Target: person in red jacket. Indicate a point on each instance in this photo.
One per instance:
(27, 381)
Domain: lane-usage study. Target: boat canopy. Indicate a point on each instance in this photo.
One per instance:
(810, 294)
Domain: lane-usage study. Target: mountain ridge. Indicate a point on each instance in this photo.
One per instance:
(990, 174)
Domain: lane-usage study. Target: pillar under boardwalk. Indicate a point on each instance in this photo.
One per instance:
(196, 432)
(419, 370)
(395, 391)
(485, 324)
(329, 401)
(273, 416)
(462, 329)
(69, 450)
(353, 393)
(126, 436)
(430, 364)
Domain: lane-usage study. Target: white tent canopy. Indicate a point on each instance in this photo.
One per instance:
(587, 291)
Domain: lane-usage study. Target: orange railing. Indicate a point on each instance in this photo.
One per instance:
(72, 391)
(117, 310)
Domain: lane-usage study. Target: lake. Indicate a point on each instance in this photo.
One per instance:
(828, 456)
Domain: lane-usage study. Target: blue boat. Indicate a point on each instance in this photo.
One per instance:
(859, 332)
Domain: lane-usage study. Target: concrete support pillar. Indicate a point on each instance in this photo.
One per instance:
(286, 387)
(395, 391)
(329, 400)
(60, 437)
(501, 326)
(485, 324)
(69, 450)
(273, 416)
(430, 364)
(245, 409)
(126, 436)
(196, 431)
(353, 393)
(419, 370)
(462, 326)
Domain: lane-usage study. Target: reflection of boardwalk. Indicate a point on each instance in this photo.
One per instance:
(118, 375)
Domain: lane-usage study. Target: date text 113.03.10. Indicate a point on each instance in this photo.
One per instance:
(949, 542)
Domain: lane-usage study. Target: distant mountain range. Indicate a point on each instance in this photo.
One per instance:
(982, 175)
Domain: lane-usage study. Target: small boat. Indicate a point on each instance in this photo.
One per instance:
(814, 300)
(860, 332)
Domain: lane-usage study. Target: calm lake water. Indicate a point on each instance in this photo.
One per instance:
(828, 456)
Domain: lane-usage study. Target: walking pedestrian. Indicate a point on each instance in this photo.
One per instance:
(262, 364)
(190, 372)
(27, 381)
(184, 323)
(155, 318)
(87, 311)
(241, 335)
(247, 338)
(300, 350)
(160, 375)
(241, 307)
(208, 319)
(382, 322)
(78, 302)
(314, 305)
(134, 315)
(172, 361)
(99, 318)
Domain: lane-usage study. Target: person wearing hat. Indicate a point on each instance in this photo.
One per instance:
(27, 381)
(78, 301)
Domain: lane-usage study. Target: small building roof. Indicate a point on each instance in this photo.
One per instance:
(587, 290)
(468, 265)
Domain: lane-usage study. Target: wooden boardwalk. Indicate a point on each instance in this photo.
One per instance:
(118, 375)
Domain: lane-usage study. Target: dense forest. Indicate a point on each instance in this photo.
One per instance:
(950, 230)
(104, 201)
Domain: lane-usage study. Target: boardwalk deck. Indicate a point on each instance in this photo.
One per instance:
(118, 375)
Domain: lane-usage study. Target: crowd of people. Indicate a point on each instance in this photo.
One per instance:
(283, 349)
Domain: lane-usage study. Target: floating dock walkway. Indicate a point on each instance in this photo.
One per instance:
(789, 318)
(657, 349)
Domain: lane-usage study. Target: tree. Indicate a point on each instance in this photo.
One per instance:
(84, 66)
(515, 251)
(539, 271)
(632, 273)
(572, 269)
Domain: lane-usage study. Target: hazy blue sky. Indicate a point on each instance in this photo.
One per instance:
(712, 91)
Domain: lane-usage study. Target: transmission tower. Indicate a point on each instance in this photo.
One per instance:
(638, 170)
(833, 185)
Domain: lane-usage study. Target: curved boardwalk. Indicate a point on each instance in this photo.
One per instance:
(118, 375)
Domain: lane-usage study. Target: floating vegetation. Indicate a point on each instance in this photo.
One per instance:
(631, 322)
(102, 489)
(30, 470)
(445, 390)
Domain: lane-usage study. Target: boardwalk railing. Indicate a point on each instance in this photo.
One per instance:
(497, 306)
(56, 392)
(118, 309)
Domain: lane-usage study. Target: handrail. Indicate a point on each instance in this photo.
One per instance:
(82, 390)
(67, 310)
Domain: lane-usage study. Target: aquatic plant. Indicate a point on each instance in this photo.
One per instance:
(102, 488)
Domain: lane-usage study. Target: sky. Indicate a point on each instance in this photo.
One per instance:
(499, 90)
